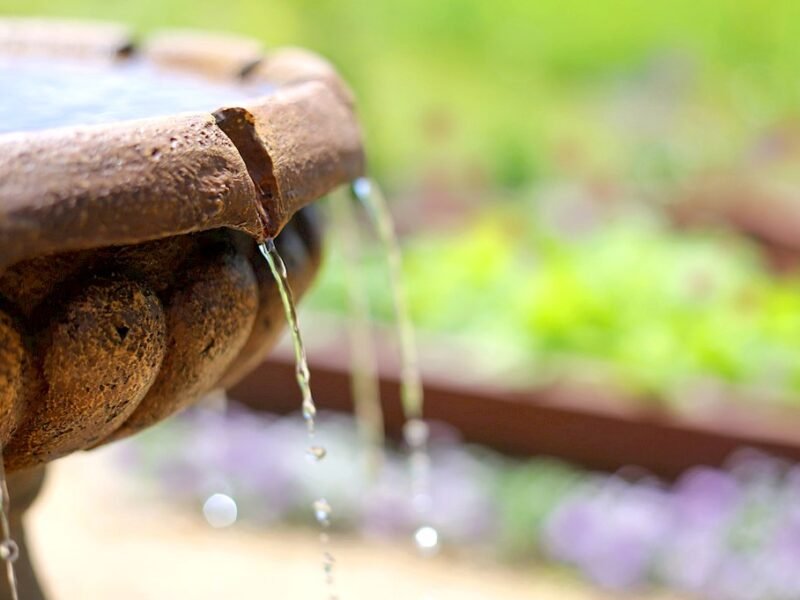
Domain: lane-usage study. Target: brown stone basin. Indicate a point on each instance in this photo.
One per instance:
(135, 183)
(130, 283)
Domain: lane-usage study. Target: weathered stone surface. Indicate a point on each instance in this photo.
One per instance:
(157, 263)
(307, 139)
(59, 38)
(89, 187)
(28, 283)
(99, 356)
(209, 317)
(314, 142)
(212, 54)
(289, 66)
(14, 363)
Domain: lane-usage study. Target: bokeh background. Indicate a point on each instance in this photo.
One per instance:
(590, 195)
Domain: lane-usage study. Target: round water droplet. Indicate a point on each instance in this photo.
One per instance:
(324, 538)
(427, 539)
(362, 188)
(416, 433)
(322, 511)
(317, 452)
(220, 511)
(9, 551)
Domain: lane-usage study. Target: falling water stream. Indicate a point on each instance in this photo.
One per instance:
(9, 551)
(415, 430)
(322, 509)
(365, 387)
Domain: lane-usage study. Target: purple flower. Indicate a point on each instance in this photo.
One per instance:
(703, 497)
(612, 533)
(690, 557)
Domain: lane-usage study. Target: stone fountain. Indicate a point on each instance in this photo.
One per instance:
(130, 282)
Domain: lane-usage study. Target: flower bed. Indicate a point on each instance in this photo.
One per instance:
(730, 533)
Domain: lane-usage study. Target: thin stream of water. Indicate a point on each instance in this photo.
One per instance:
(371, 197)
(9, 551)
(322, 509)
(415, 430)
(366, 392)
(278, 269)
(365, 388)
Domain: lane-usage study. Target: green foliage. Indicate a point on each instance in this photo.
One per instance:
(633, 302)
(526, 494)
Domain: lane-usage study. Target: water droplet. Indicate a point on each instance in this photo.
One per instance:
(427, 539)
(322, 511)
(362, 188)
(9, 551)
(416, 433)
(220, 510)
(317, 452)
(324, 538)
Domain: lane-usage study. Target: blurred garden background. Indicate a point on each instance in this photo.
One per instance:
(552, 157)
(591, 194)
(542, 155)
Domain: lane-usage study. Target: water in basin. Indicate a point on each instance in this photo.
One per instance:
(40, 94)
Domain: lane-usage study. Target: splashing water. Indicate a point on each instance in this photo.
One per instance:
(9, 551)
(364, 370)
(322, 509)
(415, 430)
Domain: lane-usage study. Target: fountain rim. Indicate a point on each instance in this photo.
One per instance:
(248, 166)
